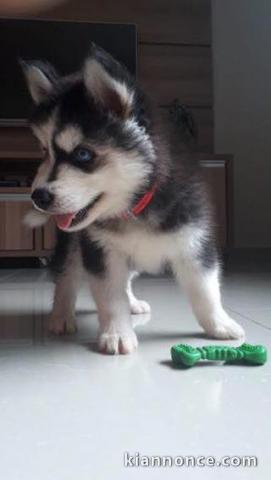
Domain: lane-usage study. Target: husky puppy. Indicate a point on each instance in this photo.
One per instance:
(120, 200)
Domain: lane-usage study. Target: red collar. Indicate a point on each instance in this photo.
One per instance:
(142, 203)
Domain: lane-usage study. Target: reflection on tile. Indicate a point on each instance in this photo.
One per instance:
(249, 291)
(6, 274)
(249, 294)
(17, 314)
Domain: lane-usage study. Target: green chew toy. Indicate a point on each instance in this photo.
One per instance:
(250, 354)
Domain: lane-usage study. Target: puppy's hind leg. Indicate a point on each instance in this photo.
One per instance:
(201, 283)
(62, 319)
(136, 306)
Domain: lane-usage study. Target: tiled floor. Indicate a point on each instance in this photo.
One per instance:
(69, 413)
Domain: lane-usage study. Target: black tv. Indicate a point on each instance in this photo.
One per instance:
(65, 44)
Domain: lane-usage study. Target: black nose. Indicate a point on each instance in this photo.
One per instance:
(42, 198)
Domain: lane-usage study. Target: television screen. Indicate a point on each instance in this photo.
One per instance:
(64, 44)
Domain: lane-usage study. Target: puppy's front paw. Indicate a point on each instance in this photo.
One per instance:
(227, 329)
(139, 306)
(61, 325)
(117, 342)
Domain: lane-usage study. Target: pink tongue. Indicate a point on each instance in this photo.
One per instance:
(64, 221)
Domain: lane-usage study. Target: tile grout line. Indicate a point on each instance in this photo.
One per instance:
(248, 318)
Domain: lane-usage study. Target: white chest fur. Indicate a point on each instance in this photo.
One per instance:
(148, 249)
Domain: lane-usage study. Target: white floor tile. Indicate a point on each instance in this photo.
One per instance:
(69, 413)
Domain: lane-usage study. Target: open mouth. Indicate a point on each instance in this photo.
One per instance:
(67, 220)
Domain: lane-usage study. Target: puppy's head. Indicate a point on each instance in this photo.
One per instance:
(92, 129)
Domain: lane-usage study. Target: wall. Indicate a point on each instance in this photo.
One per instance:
(242, 92)
(174, 49)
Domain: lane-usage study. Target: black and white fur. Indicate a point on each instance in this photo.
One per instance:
(102, 109)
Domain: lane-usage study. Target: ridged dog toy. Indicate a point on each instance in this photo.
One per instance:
(249, 354)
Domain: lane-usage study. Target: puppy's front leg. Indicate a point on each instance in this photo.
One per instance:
(116, 334)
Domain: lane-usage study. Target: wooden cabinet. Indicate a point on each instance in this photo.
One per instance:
(49, 235)
(14, 236)
(16, 239)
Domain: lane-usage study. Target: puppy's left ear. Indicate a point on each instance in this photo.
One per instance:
(41, 78)
(108, 82)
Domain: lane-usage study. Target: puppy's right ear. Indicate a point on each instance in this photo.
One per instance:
(108, 82)
(41, 79)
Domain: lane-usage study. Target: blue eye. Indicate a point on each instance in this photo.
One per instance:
(83, 155)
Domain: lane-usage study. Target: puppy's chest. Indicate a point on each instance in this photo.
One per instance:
(147, 250)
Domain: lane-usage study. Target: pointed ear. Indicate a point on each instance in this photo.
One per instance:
(40, 77)
(108, 82)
